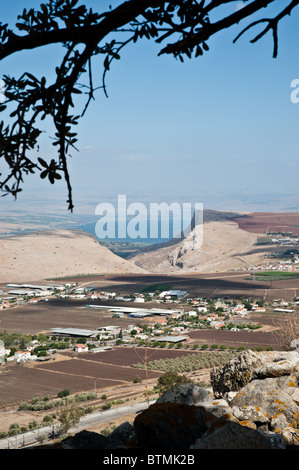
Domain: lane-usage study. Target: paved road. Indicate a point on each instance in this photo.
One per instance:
(31, 438)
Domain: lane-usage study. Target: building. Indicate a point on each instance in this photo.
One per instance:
(3, 352)
(173, 293)
(283, 310)
(80, 347)
(22, 356)
(74, 332)
(171, 339)
(202, 309)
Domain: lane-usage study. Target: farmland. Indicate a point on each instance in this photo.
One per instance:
(76, 375)
(113, 369)
(213, 285)
(109, 370)
(269, 222)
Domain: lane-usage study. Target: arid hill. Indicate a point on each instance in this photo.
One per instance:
(57, 253)
(217, 245)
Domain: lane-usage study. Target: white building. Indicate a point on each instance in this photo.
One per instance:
(173, 293)
(202, 309)
(80, 347)
(3, 351)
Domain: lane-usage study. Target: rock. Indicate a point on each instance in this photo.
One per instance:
(219, 408)
(252, 413)
(278, 422)
(249, 365)
(277, 364)
(190, 394)
(265, 395)
(291, 436)
(123, 433)
(89, 441)
(234, 375)
(186, 394)
(233, 436)
(171, 426)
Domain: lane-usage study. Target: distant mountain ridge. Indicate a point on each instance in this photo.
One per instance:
(225, 246)
(57, 253)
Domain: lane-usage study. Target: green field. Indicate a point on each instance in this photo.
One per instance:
(157, 288)
(274, 276)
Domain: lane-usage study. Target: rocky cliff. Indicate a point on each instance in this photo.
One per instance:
(216, 245)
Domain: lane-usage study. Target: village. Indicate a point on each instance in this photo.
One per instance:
(169, 326)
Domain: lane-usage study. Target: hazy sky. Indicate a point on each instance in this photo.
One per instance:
(220, 129)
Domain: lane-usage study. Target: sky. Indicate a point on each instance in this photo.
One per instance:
(220, 130)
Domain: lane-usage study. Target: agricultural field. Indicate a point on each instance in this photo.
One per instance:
(274, 276)
(251, 339)
(108, 370)
(190, 362)
(234, 285)
(76, 375)
(115, 368)
(267, 222)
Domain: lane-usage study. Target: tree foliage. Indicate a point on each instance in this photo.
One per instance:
(69, 417)
(183, 28)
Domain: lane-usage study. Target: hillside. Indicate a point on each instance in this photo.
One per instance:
(57, 253)
(224, 247)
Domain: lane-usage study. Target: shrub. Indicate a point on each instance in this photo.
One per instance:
(47, 419)
(106, 406)
(24, 407)
(63, 393)
(32, 425)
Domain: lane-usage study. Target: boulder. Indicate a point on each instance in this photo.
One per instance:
(234, 436)
(266, 394)
(86, 440)
(123, 433)
(186, 394)
(234, 375)
(250, 365)
(171, 426)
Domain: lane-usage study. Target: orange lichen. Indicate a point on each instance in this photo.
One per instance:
(230, 417)
(248, 423)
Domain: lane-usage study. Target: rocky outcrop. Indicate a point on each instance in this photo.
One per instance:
(254, 405)
(250, 365)
(262, 391)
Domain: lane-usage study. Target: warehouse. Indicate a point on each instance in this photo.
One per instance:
(134, 310)
(173, 293)
(171, 339)
(74, 332)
